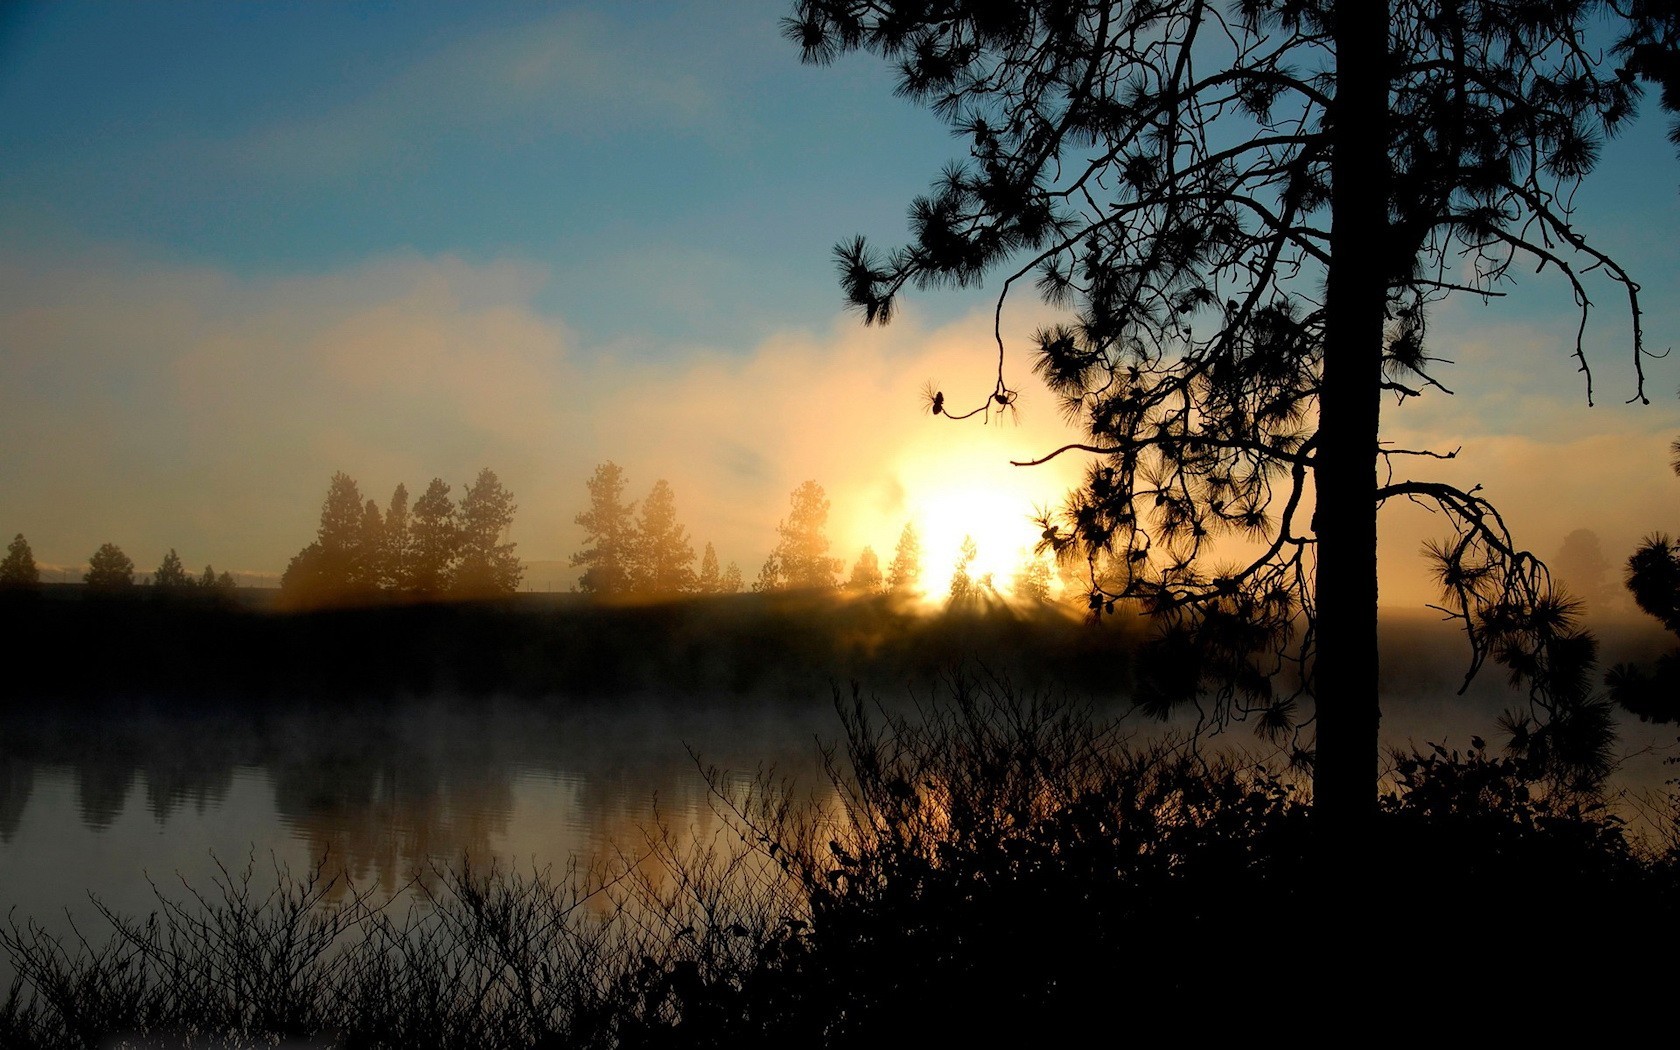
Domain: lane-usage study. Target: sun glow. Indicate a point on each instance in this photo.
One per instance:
(960, 491)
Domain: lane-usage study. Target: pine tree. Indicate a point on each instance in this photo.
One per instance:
(109, 569)
(709, 581)
(487, 566)
(1032, 581)
(367, 563)
(19, 568)
(904, 575)
(610, 532)
(330, 569)
(1250, 237)
(866, 573)
(170, 574)
(730, 582)
(395, 552)
(663, 561)
(964, 589)
(801, 558)
(434, 540)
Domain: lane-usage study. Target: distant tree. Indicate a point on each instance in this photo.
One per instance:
(905, 572)
(335, 566)
(18, 569)
(1031, 582)
(394, 554)
(109, 569)
(367, 566)
(207, 580)
(171, 575)
(610, 532)
(487, 565)
(226, 583)
(801, 557)
(866, 573)
(730, 582)
(663, 561)
(708, 582)
(434, 540)
(964, 588)
(1653, 578)
(1581, 565)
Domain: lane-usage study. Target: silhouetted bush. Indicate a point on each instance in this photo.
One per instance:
(995, 869)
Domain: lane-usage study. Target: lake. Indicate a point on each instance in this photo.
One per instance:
(100, 797)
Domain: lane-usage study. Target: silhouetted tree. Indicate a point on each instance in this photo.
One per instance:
(170, 575)
(610, 531)
(1581, 565)
(367, 566)
(109, 569)
(1251, 210)
(963, 586)
(395, 545)
(1653, 578)
(1031, 583)
(340, 563)
(801, 557)
(905, 572)
(663, 560)
(435, 540)
(730, 582)
(708, 582)
(866, 573)
(487, 565)
(18, 569)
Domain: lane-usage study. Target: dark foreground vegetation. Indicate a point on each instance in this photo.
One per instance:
(211, 647)
(997, 869)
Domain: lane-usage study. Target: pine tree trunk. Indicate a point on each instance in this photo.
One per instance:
(1345, 671)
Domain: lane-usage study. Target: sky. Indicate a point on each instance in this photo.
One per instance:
(245, 246)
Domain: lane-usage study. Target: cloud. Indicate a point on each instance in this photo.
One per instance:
(572, 75)
(158, 405)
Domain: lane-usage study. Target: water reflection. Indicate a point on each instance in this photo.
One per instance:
(388, 792)
(94, 797)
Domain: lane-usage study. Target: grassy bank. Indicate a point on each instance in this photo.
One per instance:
(996, 869)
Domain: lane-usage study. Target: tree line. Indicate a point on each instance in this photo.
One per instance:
(436, 549)
(109, 569)
(650, 553)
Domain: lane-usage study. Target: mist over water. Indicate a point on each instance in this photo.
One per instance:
(98, 798)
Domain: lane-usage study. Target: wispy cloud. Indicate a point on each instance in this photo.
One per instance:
(571, 76)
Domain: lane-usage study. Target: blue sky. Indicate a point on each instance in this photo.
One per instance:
(244, 246)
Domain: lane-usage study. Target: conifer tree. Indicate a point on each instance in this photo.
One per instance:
(170, 574)
(109, 569)
(866, 573)
(487, 565)
(18, 569)
(610, 532)
(1249, 211)
(434, 540)
(395, 544)
(709, 581)
(801, 558)
(663, 556)
(730, 582)
(904, 575)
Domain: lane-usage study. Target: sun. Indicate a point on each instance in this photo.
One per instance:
(959, 491)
